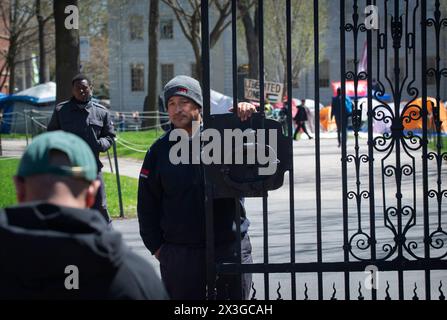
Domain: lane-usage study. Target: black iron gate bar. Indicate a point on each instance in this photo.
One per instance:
(235, 90)
(343, 144)
(317, 146)
(398, 141)
(425, 140)
(289, 130)
(372, 212)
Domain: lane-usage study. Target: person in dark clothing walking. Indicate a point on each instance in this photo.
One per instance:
(336, 112)
(53, 246)
(92, 122)
(171, 208)
(300, 120)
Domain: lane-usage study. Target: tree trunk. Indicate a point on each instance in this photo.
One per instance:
(12, 76)
(42, 54)
(11, 61)
(67, 50)
(198, 55)
(29, 72)
(151, 101)
(251, 38)
(10, 58)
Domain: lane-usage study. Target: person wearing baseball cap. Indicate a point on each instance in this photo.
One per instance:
(171, 207)
(53, 245)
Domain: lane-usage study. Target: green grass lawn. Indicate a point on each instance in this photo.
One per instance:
(129, 187)
(134, 144)
(7, 190)
(15, 136)
(432, 144)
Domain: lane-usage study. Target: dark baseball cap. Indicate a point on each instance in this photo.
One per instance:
(36, 159)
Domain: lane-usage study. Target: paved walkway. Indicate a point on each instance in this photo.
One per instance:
(13, 147)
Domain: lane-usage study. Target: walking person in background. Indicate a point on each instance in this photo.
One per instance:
(136, 119)
(90, 121)
(300, 120)
(121, 121)
(336, 112)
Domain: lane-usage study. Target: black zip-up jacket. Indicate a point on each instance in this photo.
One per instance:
(39, 241)
(90, 121)
(171, 202)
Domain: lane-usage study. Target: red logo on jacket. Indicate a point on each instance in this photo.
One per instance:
(144, 172)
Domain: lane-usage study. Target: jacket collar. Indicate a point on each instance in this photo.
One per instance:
(79, 105)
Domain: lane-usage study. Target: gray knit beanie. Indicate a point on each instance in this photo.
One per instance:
(184, 86)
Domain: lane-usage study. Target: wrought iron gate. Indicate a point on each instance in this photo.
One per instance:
(393, 198)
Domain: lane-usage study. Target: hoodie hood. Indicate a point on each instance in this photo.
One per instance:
(39, 241)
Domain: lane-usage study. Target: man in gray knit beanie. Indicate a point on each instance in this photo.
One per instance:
(186, 87)
(171, 211)
(184, 101)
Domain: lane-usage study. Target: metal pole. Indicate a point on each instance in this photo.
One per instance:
(318, 147)
(235, 102)
(26, 126)
(343, 148)
(118, 180)
(110, 161)
(210, 252)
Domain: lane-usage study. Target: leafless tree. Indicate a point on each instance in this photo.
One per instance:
(93, 23)
(42, 22)
(249, 15)
(16, 16)
(302, 37)
(188, 15)
(150, 103)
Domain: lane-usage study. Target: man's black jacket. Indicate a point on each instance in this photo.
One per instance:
(41, 244)
(90, 121)
(171, 202)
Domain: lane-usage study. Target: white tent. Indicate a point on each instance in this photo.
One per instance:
(40, 94)
(220, 103)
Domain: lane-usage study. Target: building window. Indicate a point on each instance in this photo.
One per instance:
(167, 73)
(136, 27)
(137, 77)
(431, 64)
(166, 29)
(324, 74)
(194, 71)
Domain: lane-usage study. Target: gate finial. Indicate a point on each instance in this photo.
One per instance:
(253, 296)
(306, 297)
(335, 291)
(415, 297)
(441, 297)
(387, 292)
(361, 297)
(277, 291)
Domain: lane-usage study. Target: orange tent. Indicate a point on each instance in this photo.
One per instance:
(417, 124)
(326, 123)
